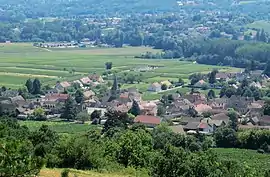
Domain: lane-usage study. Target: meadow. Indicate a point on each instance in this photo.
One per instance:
(260, 25)
(20, 61)
(59, 126)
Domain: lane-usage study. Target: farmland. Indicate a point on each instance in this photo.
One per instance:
(21, 61)
(260, 25)
(244, 156)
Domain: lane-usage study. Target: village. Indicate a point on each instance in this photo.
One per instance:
(191, 112)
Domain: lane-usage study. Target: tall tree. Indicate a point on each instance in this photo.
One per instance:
(212, 77)
(135, 109)
(79, 96)
(233, 119)
(70, 109)
(267, 69)
(29, 85)
(211, 94)
(36, 86)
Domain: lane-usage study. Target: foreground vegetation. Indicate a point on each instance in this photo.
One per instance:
(129, 150)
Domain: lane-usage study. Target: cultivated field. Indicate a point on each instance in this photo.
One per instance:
(18, 62)
(260, 25)
(244, 156)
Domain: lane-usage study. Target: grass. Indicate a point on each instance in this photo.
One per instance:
(251, 157)
(260, 25)
(20, 61)
(57, 173)
(59, 127)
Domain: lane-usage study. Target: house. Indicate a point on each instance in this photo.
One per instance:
(56, 97)
(200, 83)
(85, 80)
(205, 127)
(61, 86)
(167, 83)
(7, 106)
(256, 85)
(222, 76)
(124, 98)
(191, 126)
(254, 120)
(148, 121)
(215, 123)
(148, 108)
(201, 108)
(91, 110)
(96, 78)
(221, 116)
(240, 104)
(88, 94)
(195, 97)
(177, 129)
(155, 87)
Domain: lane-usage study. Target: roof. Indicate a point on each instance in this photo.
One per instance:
(221, 116)
(56, 97)
(17, 98)
(95, 77)
(88, 93)
(255, 106)
(65, 84)
(201, 82)
(202, 108)
(222, 75)
(156, 84)
(265, 118)
(203, 125)
(147, 119)
(192, 125)
(177, 129)
(85, 80)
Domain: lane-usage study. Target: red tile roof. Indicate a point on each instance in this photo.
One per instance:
(56, 97)
(203, 125)
(147, 119)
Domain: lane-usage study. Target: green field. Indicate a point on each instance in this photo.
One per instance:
(21, 61)
(59, 127)
(250, 157)
(260, 25)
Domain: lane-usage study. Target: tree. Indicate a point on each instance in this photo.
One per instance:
(135, 109)
(79, 96)
(181, 81)
(161, 110)
(233, 119)
(82, 116)
(225, 137)
(267, 69)
(39, 114)
(3, 89)
(266, 108)
(164, 87)
(211, 94)
(18, 159)
(96, 114)
(212, 77)
(247, 92)
(70, 109)
(29, 85)
(108, 65)
(36, 86)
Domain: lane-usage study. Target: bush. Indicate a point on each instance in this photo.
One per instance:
(65, 173)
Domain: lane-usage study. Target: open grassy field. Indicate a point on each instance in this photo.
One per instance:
(250, 157)
(80, 173)
(20, 61)
(59, 127)
(260, 25)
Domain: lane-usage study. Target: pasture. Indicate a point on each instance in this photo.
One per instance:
(20, 61)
